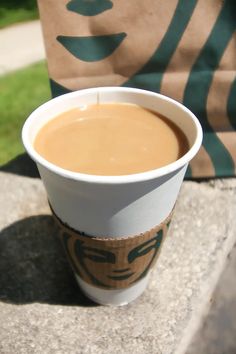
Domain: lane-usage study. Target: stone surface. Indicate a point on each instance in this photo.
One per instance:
(42, 309)
(217, 332)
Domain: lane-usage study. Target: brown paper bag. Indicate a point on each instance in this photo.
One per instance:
(183, 49)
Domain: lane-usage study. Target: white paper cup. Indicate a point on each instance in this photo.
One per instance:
(114, 206)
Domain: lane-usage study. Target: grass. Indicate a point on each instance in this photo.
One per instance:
(13, 11)
(20, 93)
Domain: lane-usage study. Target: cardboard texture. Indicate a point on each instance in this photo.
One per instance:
(112, 263)
(182, 49)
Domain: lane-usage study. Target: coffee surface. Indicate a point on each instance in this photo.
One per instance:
(110, 139)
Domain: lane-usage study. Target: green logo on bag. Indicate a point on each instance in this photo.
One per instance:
(89, 7)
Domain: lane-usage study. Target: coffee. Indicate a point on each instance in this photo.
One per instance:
(110, 139)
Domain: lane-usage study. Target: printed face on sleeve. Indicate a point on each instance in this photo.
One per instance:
(114, 268)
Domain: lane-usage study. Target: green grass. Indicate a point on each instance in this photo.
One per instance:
(20, 93)
(13, 11)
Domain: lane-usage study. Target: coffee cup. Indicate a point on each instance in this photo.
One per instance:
(113, 227)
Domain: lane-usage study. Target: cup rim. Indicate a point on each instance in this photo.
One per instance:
(119, 179)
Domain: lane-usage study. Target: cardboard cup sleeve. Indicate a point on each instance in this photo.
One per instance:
(112, 263)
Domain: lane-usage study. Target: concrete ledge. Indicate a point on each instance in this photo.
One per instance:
(43, 310)
(217, 331)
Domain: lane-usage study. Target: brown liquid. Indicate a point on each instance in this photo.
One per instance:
(110, 139)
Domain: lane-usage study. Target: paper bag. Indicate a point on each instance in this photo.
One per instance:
(182, 49)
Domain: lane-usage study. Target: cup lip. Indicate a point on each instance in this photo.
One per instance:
(119, 179)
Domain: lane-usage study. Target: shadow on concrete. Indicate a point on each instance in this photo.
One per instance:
(21, 165)
(33, 266)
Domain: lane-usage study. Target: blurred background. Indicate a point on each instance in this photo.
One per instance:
(15, 11)
(23, 72)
